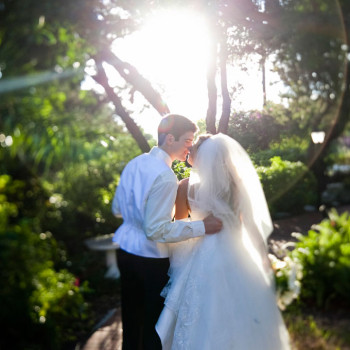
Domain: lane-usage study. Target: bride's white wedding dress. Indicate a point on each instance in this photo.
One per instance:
(219, 297)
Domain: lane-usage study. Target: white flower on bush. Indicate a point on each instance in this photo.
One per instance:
(292, 270)
(284, 299)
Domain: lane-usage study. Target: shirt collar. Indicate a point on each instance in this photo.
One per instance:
(160, 154)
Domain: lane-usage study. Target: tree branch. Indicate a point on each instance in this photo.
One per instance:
(132, 76)
(101, 78)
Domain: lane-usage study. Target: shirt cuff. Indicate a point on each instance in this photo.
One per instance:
(198, 228)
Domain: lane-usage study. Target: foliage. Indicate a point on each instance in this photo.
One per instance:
(310, 71)
(293, 149)
(288, 186)
(58, 301)
(317, 270)
(61, 154)
(181, 169)
(273, 130)
(201, 126)
(312, 280)
(76, 150)
(254, 130)
(325, 256)
(50, 305)
(60, 174)
(339, 152)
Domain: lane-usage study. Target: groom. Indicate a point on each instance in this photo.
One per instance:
(145, 199)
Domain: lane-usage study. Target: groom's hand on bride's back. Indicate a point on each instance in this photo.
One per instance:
(212, 224)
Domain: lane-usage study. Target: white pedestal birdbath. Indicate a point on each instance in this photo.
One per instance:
(104, 243)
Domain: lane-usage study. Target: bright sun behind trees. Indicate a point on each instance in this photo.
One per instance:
(174, 58)
(172, 51)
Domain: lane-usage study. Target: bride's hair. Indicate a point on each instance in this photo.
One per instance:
(201, 139)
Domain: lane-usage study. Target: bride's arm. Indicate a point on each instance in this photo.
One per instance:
(182, 208)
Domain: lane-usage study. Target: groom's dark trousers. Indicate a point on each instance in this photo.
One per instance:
(142, 280)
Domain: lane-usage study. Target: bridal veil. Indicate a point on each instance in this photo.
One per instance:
(220, 293)
(225, 183)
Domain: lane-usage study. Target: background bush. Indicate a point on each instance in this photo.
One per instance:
(292, 149)
(42, 306)
(254, 130)
(288, 186)
(325, 257)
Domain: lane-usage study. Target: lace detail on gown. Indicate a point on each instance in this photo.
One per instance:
(187, 317)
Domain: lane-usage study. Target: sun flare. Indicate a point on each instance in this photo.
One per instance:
(175, 48)
(172, 50)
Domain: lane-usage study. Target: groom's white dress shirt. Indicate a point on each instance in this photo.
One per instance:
(145, 199)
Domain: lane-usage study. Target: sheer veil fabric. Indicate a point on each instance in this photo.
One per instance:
(225, 183)
(220, 293)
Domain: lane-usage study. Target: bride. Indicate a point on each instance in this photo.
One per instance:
(220, 293)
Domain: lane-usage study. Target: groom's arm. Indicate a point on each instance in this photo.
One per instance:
(158, 214)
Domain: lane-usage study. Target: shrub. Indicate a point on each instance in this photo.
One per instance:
(288, 186)
(42, 308)
(293, 149)
(58, 301)
(254, 130)
(324, 258)
(339, 152)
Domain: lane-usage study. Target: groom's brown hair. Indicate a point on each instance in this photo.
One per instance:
(176, 125)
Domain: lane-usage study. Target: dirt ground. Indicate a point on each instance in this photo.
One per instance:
(284, 228)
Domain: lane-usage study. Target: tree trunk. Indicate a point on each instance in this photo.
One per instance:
(101, 78)
(263, 71)
(342, 118)
(211, 75)
(226, 100)
(212, 98)
(317, 164)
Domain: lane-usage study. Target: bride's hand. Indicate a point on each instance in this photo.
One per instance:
(212, 224)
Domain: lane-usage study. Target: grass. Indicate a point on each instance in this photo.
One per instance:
(326, 330)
